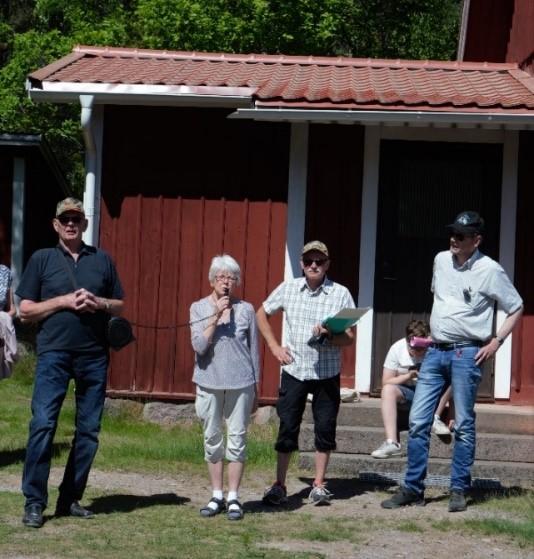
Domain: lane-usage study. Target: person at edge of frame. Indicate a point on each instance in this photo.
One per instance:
(466, 284)
(70, 290)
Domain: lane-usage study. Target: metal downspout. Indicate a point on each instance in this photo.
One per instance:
(89, 196)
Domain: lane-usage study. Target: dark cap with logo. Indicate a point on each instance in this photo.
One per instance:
(468, 223)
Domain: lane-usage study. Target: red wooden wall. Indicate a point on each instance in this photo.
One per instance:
(179, 186)
(501, 31)
(335, 166)
(522, 388)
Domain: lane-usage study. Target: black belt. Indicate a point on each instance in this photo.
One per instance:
(455, 345)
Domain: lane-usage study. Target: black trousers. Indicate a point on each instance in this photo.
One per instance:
(291, 403)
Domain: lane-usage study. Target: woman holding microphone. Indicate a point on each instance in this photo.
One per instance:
(225, 340)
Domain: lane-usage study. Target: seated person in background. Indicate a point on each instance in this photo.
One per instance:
(398, 385)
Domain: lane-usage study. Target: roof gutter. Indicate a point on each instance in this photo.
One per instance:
(140, 94)
(392, 118)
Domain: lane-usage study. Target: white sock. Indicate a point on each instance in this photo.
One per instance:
(232, 496)
(217, 494)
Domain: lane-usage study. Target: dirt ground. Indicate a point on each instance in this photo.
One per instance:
(351, 500)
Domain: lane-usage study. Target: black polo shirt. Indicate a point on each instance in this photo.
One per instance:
(46, 277)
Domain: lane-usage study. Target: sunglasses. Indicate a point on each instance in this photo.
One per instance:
(317, 261)
(461, 236)
(65, 219)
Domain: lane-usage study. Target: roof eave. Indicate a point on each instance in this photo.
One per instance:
(141, 94)
(393, 118)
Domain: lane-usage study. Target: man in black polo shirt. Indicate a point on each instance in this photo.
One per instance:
(70, 290)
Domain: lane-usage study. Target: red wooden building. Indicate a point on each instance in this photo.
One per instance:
(191, 154)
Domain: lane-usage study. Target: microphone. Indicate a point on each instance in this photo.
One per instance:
(226, 292)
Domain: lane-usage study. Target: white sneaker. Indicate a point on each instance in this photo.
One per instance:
(439, 428)
(386, 450)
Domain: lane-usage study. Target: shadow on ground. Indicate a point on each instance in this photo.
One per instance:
(342, 489)
(128, 503)
(16, 456)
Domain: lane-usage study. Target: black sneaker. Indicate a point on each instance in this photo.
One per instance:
(457, 502)
(33, 516)
(402, 498)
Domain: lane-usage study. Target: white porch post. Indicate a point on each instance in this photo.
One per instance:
(364, 342)
(296, 199)
(17, 219)
(503, 358)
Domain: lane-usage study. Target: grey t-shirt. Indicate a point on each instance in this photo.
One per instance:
(230, 360)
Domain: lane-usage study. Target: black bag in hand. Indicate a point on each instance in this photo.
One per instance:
(119, 333)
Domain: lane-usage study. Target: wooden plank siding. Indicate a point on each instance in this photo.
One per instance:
(192, 185)
(522, 384)
(333, 208)
(501, 31)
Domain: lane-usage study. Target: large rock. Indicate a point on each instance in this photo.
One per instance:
(168, 414)
(116, 407)
(264, 415)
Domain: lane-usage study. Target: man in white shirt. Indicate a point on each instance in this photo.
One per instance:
(466, 285)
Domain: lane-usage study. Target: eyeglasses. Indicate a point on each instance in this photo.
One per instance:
(317, 261)
(231, 279)
(461, 236)
(65, 219)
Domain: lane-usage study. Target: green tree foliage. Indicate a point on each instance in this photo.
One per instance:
(33, 33)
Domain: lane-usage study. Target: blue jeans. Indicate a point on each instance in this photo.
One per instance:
(52, 375)
(458, 368)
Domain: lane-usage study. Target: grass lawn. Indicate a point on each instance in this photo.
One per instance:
(165, 525)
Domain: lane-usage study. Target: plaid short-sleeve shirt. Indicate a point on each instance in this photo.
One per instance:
(303, 309)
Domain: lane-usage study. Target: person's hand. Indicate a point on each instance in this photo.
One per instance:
(487, 351)
(85, 301)
(412, 374)
(320, 330)
(282, 355)
(222, 304)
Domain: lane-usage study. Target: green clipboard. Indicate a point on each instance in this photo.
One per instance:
(345, 318)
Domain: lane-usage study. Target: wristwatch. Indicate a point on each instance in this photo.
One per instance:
(107, 305)
(500, 340)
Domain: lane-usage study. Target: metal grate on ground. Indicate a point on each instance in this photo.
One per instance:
(395, 478)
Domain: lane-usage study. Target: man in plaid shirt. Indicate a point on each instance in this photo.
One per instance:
(311, 364)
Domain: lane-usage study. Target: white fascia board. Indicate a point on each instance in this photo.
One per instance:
(142, 94)
(524, 121)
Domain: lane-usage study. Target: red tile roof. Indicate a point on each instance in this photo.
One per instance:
(309, 82)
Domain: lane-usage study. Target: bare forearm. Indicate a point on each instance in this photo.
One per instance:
(509, 323)
(265, 328)
(31, 311)
(344, 339)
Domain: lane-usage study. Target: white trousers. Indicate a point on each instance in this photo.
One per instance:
(234, 407)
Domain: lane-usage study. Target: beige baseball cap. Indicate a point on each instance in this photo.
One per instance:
(69, 205)
(315, 245)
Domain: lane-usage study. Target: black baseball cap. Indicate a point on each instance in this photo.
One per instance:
(468, 223)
